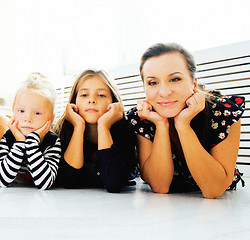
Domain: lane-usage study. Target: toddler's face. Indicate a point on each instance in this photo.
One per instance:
(32, 111)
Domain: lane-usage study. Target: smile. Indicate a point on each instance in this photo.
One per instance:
(166, 104)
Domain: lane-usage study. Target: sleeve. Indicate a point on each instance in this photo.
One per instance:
(139, 125)
(68, 176)
(224, 112)
(43, 167)
(10, 161)
(117, 164)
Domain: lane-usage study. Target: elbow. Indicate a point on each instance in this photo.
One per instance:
(213, 193)
(114, 186)
(160, 188)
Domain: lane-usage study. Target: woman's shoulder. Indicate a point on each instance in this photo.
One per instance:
(224, 111)
(140, 125)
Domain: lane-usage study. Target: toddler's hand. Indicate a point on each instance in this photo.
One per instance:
(44, 129)
(13, 126)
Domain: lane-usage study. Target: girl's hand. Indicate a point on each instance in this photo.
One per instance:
(44, 129)
(13, 126)
(145, 110)
(195, 104)
(114, 113)
(72, 115)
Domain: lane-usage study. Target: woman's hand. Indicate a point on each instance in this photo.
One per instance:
(72, 115)
(195, 104)
(13, 126)
(145, 110)
(114, 113)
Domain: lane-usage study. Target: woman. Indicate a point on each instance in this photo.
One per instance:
(98, 146)
(188, 139)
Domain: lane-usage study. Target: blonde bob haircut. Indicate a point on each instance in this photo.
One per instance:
(38, 83)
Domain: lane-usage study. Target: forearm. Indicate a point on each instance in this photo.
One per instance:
(74, 155)
(104, 137)
(158, 169)
(43, 166)
(209, 174)
(113, 166)
(10, 162)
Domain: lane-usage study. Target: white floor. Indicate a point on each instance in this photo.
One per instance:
(137, 213)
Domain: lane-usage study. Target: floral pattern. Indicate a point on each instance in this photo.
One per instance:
(223, 113)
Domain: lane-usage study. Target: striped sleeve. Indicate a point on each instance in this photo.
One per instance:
(10, 161)
(42, 166)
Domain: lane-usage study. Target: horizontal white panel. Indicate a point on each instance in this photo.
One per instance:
(245, 136)
(243, 159)
(244, 152)
(132, 90)
(245, 144)
(223, 71)
(225, 78)
(133, 96)
(233, 84)
(245, 128)
(238, 91)
(127, 80)
(130, 85)
(223, 63)
(245, 121)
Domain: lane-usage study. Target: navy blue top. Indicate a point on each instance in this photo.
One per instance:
(112, 168)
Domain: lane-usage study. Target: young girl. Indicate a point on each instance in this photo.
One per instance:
(28, 150)
(188, 139)
(98, 147)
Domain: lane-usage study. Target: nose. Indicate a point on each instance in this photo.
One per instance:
(28, 117)
(92, 99)
(165, 90)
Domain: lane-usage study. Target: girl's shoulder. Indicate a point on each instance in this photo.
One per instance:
(223, 112)
(140, 125)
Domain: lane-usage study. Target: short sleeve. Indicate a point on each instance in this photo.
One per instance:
(139, 125)
(224, 112)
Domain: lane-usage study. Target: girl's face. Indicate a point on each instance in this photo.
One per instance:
(32, 111)
(167, 83)
(93, 98)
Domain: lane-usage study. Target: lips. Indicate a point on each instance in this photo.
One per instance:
(91, 110)
(166, 103)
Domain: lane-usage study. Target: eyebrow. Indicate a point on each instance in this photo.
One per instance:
(171, 74)
(98, 89)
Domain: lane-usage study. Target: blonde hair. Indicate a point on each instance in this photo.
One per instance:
(88, 74)
(38, 83)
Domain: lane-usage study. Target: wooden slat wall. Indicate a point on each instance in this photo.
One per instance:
(225, 68)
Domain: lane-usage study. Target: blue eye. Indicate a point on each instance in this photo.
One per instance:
(21, 111)
(152, 83)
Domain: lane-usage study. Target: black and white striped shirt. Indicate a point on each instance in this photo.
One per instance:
(39, 160)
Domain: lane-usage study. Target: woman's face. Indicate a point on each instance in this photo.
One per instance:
(93, 98)
(167, 83)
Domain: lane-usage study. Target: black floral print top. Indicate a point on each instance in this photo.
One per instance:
(222, 113)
